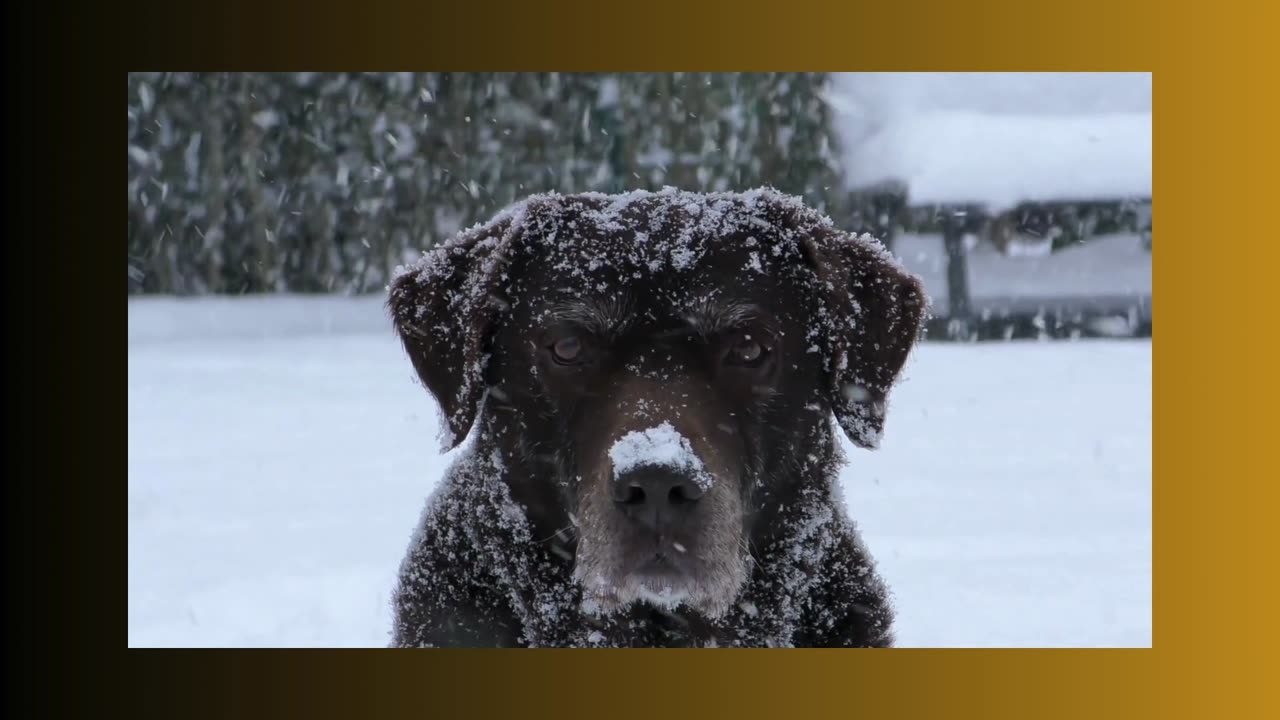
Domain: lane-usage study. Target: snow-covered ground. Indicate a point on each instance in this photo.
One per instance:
(280, 451)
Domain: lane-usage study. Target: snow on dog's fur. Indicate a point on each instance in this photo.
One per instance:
(648, 383)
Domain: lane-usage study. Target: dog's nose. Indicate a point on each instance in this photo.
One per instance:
(654, 494)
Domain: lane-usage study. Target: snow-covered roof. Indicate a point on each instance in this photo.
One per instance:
(997, 139)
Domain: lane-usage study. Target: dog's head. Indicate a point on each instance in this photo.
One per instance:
(661, 369)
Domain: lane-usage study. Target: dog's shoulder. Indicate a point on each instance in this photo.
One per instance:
(449, 592)
(817, 584)
(851, 607)
(475, 576)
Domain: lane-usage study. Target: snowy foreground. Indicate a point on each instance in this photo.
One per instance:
(280, 451)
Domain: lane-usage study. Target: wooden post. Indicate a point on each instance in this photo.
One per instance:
(958, 305)
(886, 207)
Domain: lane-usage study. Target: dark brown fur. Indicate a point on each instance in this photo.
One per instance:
(530, 540)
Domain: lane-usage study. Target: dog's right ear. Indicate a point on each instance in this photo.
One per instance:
(873, 311)
(444, 313)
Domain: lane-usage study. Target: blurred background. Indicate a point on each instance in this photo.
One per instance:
(1022, 199)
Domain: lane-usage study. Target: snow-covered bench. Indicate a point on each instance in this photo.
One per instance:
(972, 179)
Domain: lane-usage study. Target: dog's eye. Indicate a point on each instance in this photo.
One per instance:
(746, 351)
(567, 350)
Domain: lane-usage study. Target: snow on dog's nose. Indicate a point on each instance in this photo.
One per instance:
(661, 446)
(657, 476)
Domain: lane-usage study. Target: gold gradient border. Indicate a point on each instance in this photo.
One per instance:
(724, 35)
(1214, 569)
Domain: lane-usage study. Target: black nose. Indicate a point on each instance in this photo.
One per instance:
(655, 495)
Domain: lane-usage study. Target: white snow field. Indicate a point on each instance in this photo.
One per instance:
(280, 451)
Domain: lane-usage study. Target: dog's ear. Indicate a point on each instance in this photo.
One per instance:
(871, 312)
(444, 310)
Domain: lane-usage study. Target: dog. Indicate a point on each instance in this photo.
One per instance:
(650, 386)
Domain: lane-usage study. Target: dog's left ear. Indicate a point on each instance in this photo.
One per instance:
(444, 313)
(871, 312)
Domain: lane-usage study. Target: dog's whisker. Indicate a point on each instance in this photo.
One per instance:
(561, 552)
(558, 534)
(413, 330)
